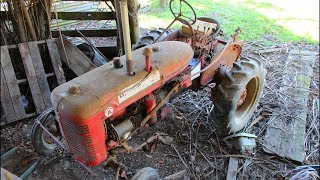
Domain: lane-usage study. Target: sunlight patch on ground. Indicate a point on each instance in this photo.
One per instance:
(300, 17)
(291, 20)
(152, 22)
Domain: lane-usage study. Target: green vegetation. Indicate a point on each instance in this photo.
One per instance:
(259, 19)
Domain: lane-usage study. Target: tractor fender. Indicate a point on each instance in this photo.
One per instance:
(225, 57)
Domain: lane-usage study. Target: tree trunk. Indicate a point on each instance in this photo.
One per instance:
(28, 20)
(133, 21)
(116, 5)
(19, 21)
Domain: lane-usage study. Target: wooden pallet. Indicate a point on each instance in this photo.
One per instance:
(35, 81)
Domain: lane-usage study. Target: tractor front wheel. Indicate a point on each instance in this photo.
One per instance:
(236, 98)
(41, 141)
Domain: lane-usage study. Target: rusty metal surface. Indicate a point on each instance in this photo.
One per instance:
(73, 57)
(224, 57)
(242, 97)
(103, 84)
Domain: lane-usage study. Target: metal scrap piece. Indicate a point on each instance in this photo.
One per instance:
(243, 142)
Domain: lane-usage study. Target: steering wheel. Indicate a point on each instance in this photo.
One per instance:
(178, 15)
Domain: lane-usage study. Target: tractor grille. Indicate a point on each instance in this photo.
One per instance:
(79, 140)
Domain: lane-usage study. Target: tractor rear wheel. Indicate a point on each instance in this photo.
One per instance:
(150, 38)
(236, 98)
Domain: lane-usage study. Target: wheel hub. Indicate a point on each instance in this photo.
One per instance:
(243, 97)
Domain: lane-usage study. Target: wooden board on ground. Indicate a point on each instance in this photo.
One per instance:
(286, 137)
(73, 57)
(232, 169)
(6, 175)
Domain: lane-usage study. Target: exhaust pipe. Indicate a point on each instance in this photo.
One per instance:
(126, 35)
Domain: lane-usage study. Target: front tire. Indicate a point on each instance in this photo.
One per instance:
(41, 141)
(236, 98)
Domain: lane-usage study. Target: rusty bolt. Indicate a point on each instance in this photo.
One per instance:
(73, 90)
(147, 51)
(117, 62)
(156, 48)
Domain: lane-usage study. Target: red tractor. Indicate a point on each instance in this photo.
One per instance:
(98, 112)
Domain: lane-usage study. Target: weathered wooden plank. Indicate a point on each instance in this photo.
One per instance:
(6, 100)
(232, 169)
(49, 75)
(40, 73)
(286, 138)
(84, 15)
(32, 77)
(108, 51)
(73, 57)
(6, 175)
(87, 33)
(11, 79)
(56, 61)
(16, 45)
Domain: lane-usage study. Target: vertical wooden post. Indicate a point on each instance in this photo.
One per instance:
(19, 21)
(133, 21)
(41, 20)
(28, 20)
(48, 5)
(120, 45)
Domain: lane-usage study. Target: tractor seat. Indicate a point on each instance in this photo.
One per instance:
(92, 91)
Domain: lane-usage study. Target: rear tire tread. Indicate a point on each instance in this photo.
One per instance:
(227, 93)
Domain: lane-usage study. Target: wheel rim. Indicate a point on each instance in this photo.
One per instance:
(46, 139)
(247, 100)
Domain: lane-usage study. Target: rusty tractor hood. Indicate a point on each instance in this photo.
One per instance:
(91, 92)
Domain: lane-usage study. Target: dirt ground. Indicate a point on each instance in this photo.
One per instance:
(195, 139)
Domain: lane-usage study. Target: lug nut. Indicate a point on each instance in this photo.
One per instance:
(156, 48)
(117, 62)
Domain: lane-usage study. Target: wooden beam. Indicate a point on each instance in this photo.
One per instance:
(75, 15)
(87, 33)
(56, 62)
(84, 15)
(40, 73)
